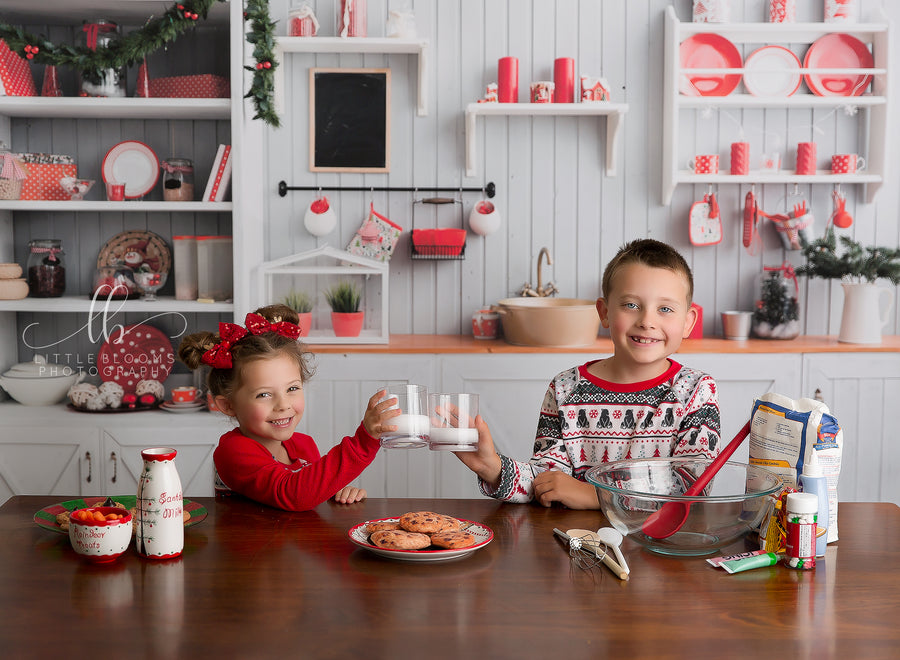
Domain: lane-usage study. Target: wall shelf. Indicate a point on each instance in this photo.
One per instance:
(874, 105)
(99, 206)
(612, 111)
(77, 107)
(84, 304)
(363, 45)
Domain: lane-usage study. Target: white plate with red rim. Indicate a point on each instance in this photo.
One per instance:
(482, 533)
(134, 164)
(772, 71)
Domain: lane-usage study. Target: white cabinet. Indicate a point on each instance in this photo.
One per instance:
(861, 390)
(70, 453)
(872, 108)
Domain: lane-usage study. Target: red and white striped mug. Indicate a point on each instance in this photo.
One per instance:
(704, 164)
(847, 163)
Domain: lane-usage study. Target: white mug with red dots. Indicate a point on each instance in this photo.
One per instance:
(847, 163)
(704, 164)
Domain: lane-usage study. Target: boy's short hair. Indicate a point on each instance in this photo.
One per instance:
(652, 253)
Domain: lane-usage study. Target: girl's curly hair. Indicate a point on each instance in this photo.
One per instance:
(223, 382)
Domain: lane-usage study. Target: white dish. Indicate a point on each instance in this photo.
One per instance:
(482, 534)
(181, 409)
(184, 404)
(134, 164)
(772, 71)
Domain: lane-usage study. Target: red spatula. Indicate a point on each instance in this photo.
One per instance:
(670, 517)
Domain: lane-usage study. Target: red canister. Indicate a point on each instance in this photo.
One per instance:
(564, 80)
(806, 158)
(508, 80)
(740, 158)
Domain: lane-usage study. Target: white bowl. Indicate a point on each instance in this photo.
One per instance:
(39, 383)
(98, 541)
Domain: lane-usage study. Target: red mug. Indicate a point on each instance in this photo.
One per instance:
(847, 163)
(115, 192)
(542, 91)
(485, 324)
(705, 164)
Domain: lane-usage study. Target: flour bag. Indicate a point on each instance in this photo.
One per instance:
(786, 434)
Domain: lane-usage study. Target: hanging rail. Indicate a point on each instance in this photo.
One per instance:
(489, 189)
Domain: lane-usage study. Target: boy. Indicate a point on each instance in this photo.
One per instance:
(635, 404)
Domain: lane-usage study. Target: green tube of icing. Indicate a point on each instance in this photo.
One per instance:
(748, 563)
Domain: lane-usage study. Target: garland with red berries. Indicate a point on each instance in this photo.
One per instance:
(156, 33)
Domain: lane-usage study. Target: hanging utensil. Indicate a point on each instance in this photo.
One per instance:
(705, 223)
(840, 217)
(751, 238)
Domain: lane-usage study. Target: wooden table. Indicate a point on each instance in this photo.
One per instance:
(255, 582)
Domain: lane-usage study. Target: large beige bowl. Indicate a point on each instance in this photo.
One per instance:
(557, 322)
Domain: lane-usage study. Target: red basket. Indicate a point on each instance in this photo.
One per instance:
(446, 243)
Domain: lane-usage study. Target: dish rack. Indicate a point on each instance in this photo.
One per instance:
(438, 244)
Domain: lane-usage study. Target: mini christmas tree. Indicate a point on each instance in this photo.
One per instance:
(776, 306)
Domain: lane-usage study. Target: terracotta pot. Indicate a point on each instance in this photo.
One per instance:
(305, 323)
(347, 324)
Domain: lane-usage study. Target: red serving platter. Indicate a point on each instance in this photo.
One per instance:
(838, 51)
(709, 51)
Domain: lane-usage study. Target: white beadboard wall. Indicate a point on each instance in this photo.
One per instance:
(551, 186)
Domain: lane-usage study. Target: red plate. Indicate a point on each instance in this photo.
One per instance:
(709, 51)
(137, 352)
(838, 51)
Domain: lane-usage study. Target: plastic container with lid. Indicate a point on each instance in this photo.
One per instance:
(812, 480)
(46, 268)
(185, 263)
(215, 277)
(801, 510)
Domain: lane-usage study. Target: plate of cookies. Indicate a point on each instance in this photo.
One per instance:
(56, 516)
(421, 536)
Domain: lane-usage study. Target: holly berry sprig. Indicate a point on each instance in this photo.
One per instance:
(123, 51)
(262, 35)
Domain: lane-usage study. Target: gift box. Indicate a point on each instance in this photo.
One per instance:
(438, 243)
(203, 86)
(44, 173)
(15, 74)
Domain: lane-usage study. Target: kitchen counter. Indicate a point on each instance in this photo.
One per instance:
(467, 344)
(256, 582)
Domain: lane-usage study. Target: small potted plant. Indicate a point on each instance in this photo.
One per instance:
(346, 319)
(858, 268)
(302, 303)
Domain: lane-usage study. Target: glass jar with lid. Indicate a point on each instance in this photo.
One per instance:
(178, 180)
(104, 82)
(777, 314)
(46, 268)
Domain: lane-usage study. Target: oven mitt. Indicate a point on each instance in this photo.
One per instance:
(376, 237)
(705, 222)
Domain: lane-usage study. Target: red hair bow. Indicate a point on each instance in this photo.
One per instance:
(258, 325)
(219, 356)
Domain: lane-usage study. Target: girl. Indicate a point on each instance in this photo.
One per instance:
(257, 378)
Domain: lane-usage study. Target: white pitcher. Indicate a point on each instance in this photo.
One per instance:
(159, 533)
(862, 320)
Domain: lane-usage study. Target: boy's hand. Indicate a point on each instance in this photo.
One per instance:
(376, 420)
(350, 494)
(484, 461)
(554, 486)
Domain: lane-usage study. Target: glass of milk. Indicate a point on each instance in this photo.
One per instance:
(452, 419)
(412, 423)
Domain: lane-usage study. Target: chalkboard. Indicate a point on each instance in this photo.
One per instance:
(349, 120)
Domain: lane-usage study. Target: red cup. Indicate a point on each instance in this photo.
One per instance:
(115, 192)
(705, 164)
(740, 158)
(564, 80)
(485, 324)
(806, 158)
(184, 394)
(847, 163)
(508, 80)
(542, 92)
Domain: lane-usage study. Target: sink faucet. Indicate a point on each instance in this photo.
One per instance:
(541, 291)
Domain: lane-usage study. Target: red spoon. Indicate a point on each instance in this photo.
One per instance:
(670, 517)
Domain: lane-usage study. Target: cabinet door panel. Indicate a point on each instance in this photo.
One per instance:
(43, 461)
(862, 390)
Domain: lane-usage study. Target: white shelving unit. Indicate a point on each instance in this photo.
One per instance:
(613, 112)
(387, 46)
(873, 107)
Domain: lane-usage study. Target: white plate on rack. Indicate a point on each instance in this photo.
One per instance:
(134, 164)
(772, 71)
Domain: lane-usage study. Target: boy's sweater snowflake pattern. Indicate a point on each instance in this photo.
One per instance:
(583, 423)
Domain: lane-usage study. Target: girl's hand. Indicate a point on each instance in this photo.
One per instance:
(555, 486)
(376, 420)
(484, 461)
(350, 494)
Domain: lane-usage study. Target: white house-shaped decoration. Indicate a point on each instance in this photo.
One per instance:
(313, 273)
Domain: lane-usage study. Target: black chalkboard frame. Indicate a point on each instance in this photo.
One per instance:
(358, 90)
